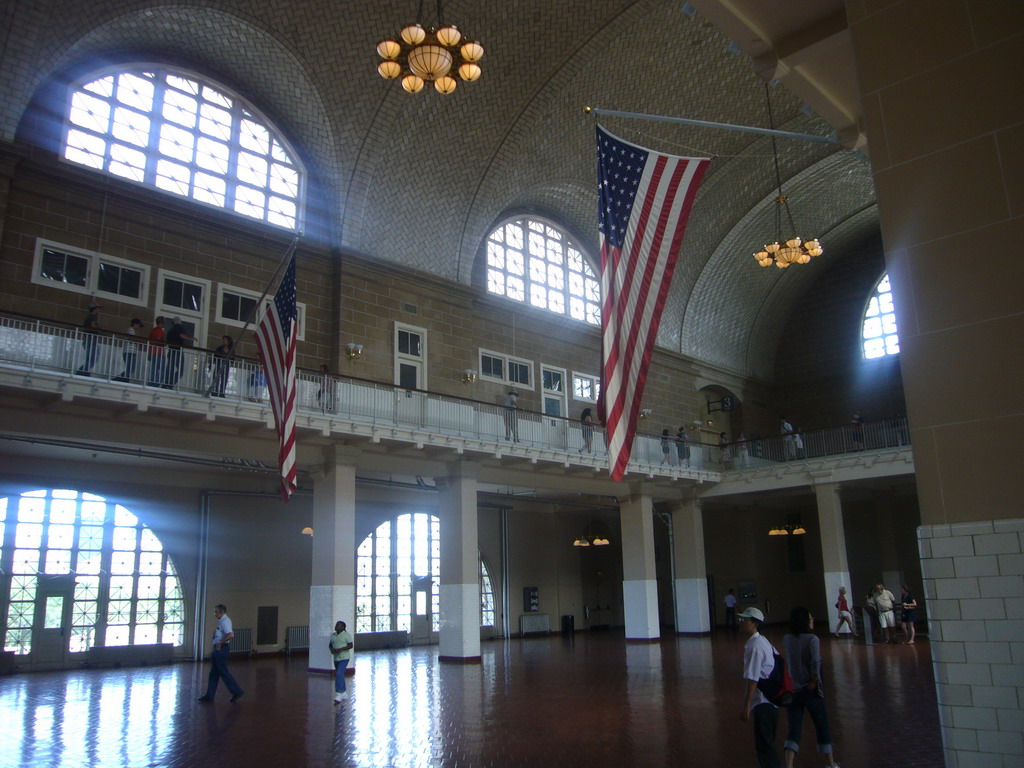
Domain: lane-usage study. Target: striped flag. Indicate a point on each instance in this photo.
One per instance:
(275, 340)
(645, 200)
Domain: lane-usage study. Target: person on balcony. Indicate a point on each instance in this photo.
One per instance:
(221, 364)
(90, 339)
(156, 353)
(511, 417)
(788, 441)
(857, 431)
(129, 351)
(176, 338)
(325, 397)
(682, 447)
(587, 429)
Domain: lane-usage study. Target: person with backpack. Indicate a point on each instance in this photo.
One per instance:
(803, 659)
(759, 662)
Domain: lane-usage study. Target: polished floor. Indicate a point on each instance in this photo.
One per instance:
(588, 700)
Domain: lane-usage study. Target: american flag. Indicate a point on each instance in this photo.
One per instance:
(275, 340)
(645, 200)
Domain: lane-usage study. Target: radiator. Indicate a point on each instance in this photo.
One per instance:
(296, 639)
(242, 641)
(534, 622)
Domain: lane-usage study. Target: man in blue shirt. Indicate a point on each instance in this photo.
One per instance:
(222, 637)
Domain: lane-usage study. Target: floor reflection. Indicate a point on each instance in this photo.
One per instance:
(592, 700)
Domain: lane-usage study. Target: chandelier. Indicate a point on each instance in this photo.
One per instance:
(786, 530)
(794, 250)
(430, 54)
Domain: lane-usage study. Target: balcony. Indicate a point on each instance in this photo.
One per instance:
(129, 373)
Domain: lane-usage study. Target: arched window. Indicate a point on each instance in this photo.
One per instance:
(77, 559)
(177, 132)
(879, 335)
(537, 263)
(398, 570)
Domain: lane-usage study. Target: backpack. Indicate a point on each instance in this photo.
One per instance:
(778, 686)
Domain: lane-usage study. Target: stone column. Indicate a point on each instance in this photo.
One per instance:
(691, 589)
(639, 580)
(332, 594)
(833, 549)
(460, 584)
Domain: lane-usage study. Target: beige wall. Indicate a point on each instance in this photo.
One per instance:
(943, 112)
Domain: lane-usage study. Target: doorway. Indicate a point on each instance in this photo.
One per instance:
(51, 629)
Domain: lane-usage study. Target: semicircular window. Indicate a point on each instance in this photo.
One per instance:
(879, 335)
(77, 560)
(187, 136)
(537, 263)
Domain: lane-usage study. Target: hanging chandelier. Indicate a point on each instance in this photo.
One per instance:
(440, 55)
(793, 250)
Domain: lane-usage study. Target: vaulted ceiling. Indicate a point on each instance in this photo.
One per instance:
(420, 180)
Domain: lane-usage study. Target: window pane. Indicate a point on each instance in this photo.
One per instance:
(53, 612)
(57, 561)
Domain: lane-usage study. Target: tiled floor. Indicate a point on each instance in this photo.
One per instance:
(590, 700)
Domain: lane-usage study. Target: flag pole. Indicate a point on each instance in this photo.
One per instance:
(710, 124)
(248, 321)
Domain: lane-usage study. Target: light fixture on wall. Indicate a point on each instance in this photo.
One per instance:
(786, 530)
(468, 376)
(645, 413)
(441, 55)
(307, 531)
(353, 351)
(793, 250)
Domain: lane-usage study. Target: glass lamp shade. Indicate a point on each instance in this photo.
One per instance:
(804, 258)
(412, 83)
(414, 34)
(794, 242)
(781, 264)
(449, 36)
(813, 247)
(388, 49)
(389, 70)
(772, 247)
(430, 61)
(470, 71)
(471, 51)
(445, 84)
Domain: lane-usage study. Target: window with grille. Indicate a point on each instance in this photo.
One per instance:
(389, 563)
(879, 335)
(185, 135)
(537, 263)
(125, 587)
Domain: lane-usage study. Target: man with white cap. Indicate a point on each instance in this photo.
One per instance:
(758, 663)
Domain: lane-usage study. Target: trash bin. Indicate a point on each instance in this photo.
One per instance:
(568, 624)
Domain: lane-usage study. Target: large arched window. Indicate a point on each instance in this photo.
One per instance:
(398, 565)
(879, 335)
(537, 263)
(77, 559)
(180, 133)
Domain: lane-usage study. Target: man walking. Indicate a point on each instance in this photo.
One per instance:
(90, 339)
(758, 663)
(222, 637)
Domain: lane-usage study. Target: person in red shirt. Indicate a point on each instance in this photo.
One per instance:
(845, 614)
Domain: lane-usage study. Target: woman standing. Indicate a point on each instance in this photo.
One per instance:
(725, 451)
(845, 614)
(909, 614)
(682, 447)
(666, 443)
(587, 429)
(803, 657)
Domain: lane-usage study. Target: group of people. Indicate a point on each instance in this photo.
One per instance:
(163, 353)
(340, 647)
(680, 442)
(802, 656)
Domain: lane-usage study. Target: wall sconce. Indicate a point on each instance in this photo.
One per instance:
(468, 376)
(353, 351)
(307, 531)
(645, 413)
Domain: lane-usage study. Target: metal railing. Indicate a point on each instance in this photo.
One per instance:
(32, 344)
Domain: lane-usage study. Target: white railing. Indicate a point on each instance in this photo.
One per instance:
(31, 344)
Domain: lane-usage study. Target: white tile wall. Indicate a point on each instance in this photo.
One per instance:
(974, 583)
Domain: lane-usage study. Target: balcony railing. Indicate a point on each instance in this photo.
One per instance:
(31, 344)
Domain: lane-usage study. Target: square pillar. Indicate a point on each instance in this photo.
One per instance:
(332, 592)
(460, 581)
(639, 579)
(691, 583)
(835, 566)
